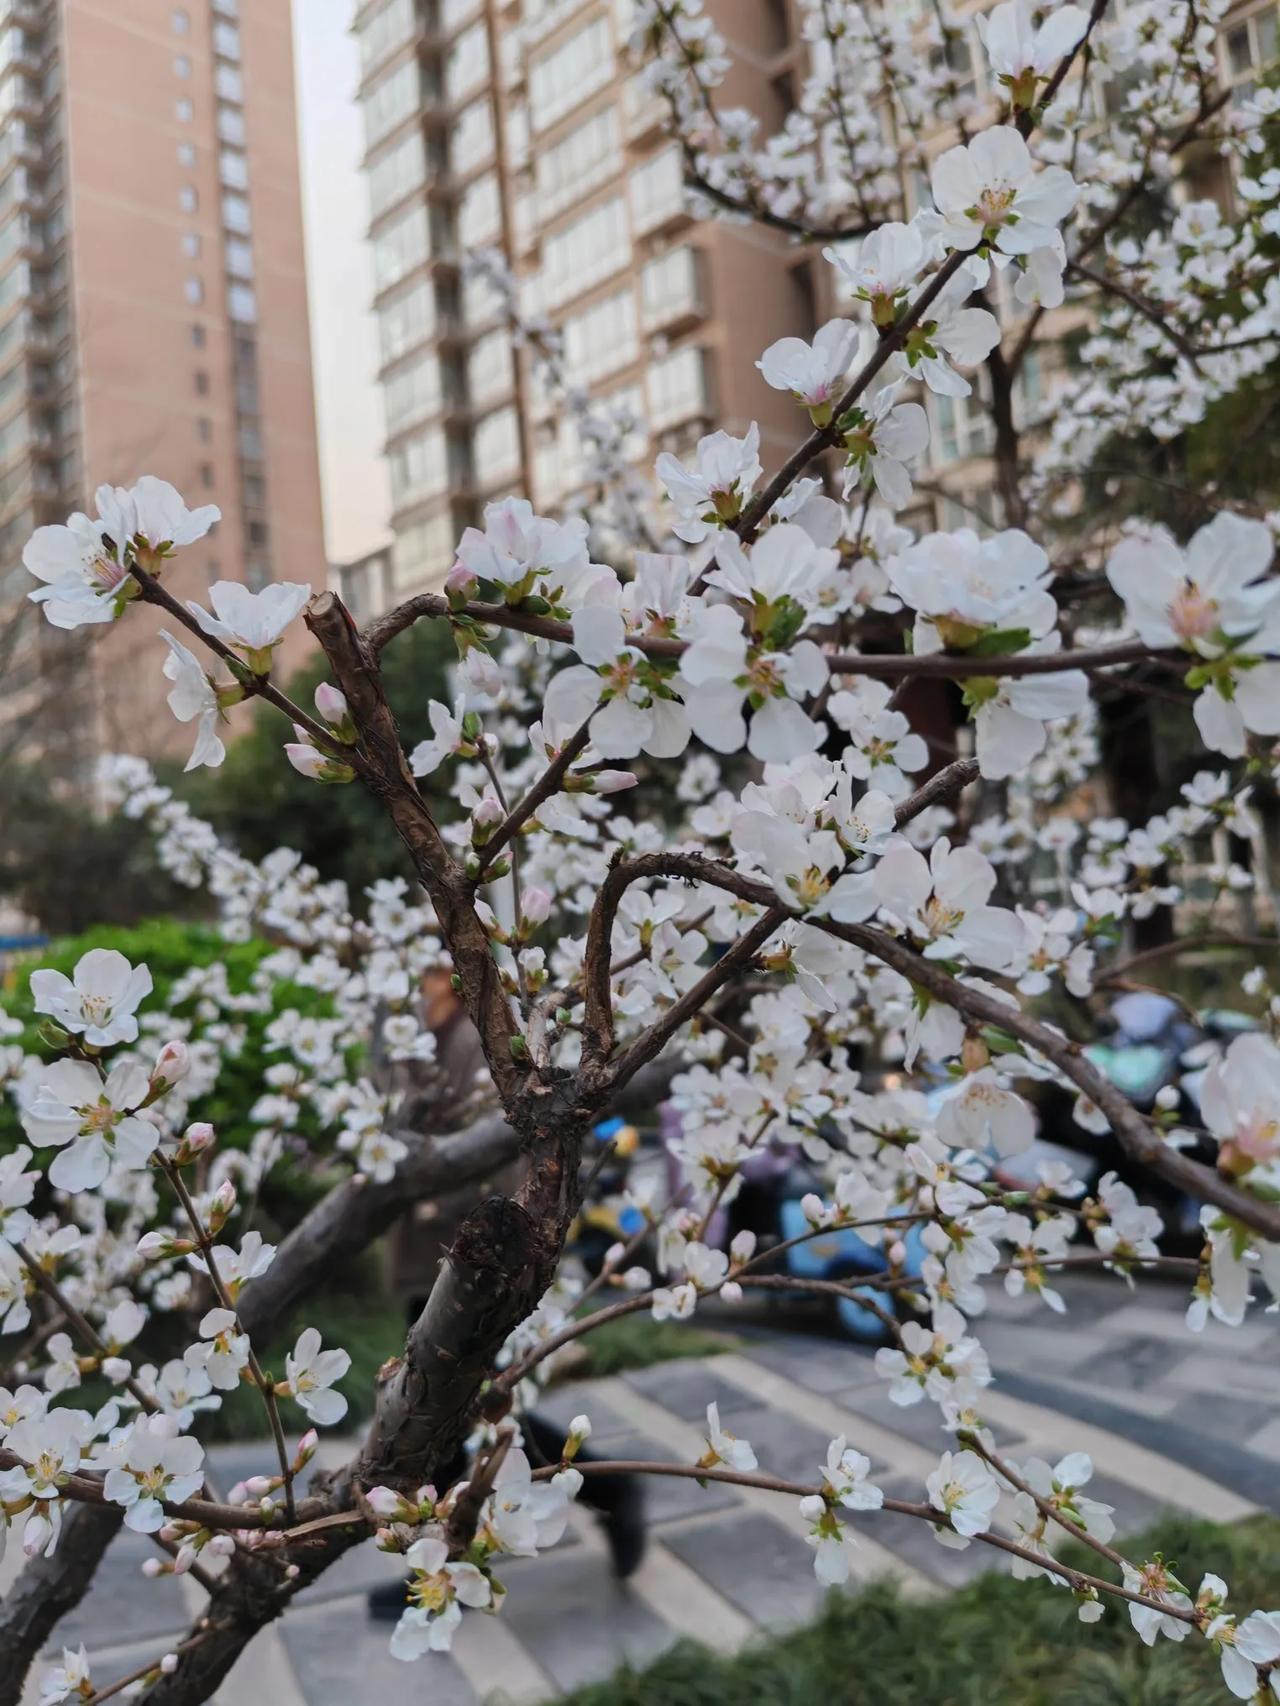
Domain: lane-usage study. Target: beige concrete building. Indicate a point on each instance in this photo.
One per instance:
(153, 319)
(523, 124)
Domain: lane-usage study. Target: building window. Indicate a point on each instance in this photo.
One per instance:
(602, 338)
(423, 551)
(490, 367)
(188, 200)
(231, 124)
(401, 248)
(183, 111)
(191, 245)
(1251, 47)
(480, 213)
(198, 337)
(204, 429)
(414, 393)
(180, 21)
(242, 304)
(233, 168)
(566, 76)
(419, 467)
(186, 154)
(206, 475)
(202, 380)
(385, 30)
(678, 388)
(235, 213)
(496, 449)
(400, 170)
(584, 253)
(181, 65)
(669, 288)
(471, 139)
(195, 291)
(590, 153)
(391, 101)
(468, 62)
(406, 321)
(239, 257)
(228, 83)
(657, 190)
(226, 41)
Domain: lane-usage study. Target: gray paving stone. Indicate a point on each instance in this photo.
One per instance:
(122, 1603)
(1241, 1421)
(756, 1564)
(560, 1404)
(920, 1423)
(1266, 1442)
(1131, 1365)
(578, 1623)
(686, 1388)
(667, 1496)
(786, 1447)
(341, 1658)
(1134, 1508)
(819, 1364)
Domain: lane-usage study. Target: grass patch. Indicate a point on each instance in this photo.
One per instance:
(638, 1341)
(996, 1642)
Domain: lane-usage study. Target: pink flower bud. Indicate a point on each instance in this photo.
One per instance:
(535, 904)
(489, 813)
(292, 1571)
(258, 1485)
(460, 581)
(169, 1663)
(331, 702)
(224, 1198)
(173, 1063)
(744, 1246)
(198, 1137)
(384, 1501)
(221, 1546)
(613, 781)
(306, 760)
(151, 1568)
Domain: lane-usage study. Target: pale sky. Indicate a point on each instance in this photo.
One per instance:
(343, 333)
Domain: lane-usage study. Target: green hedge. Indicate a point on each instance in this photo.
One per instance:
(170, 948)
(996, 1642)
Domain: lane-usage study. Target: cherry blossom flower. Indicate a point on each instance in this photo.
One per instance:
(311, 1373)
(845, 1478)
(879, 441)
(153, 1465)
(724, 1447)
(965, 590)
(713, 491)
(963, 1489)
(95, 1117)
(68, 1680)
(989, 191)
(449, 738)
(1020, 52)
(812, 372)
(942, 902)
(517, 549)
(252, 621)
(224, 1351)
(438, 1589)
(98, 1001)
(882, 267)
(981, 1113)
(1203, 596)
(720, 671)
(194, 699)
(85, 564)
(50, 1444)
(522, 1515)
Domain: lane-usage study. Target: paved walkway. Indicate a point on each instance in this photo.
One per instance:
(1193, 1424)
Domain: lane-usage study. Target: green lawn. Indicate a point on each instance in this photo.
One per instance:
(996, 1642)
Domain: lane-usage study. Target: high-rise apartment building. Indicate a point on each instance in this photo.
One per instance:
(153, 319)
(523, 124)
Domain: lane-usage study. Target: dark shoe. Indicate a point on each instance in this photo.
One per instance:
(387, 1602)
